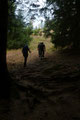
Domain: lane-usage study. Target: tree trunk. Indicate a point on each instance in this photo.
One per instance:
(4, 75)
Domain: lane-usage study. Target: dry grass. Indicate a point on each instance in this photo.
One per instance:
(37, 39)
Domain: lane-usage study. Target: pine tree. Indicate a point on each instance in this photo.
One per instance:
(66, 23)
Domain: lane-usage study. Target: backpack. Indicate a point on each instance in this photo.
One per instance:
(41, 46)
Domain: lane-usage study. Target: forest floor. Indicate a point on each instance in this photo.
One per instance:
(47, 89)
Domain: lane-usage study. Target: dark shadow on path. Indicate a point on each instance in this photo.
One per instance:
(47, 88)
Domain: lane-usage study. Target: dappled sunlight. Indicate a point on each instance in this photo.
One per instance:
(15, 58)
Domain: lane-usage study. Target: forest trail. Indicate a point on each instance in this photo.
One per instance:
(47, 89)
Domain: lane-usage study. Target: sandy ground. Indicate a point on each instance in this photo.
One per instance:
(47, 89)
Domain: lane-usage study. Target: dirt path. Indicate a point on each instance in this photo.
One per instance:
(48, 89)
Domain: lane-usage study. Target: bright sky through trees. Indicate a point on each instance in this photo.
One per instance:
(32, 13)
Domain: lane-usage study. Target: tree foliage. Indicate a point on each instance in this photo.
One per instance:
(18, 32)
(65, 23)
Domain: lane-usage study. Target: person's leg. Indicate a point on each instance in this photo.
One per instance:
(25, 61)
(39, 53)
(43, 53)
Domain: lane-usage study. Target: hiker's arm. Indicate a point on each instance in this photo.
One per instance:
(29, 51)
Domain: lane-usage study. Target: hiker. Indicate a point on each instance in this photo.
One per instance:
(41, 49)
(25, 51)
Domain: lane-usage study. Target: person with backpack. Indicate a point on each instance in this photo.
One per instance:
(41, 49)
(25, 52)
